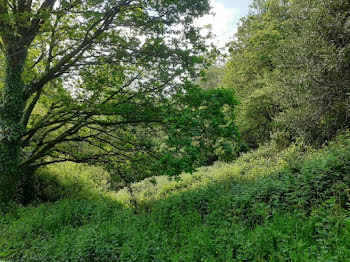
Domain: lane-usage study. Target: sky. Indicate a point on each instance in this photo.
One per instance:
(224, 22)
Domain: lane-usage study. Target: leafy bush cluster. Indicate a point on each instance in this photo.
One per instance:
(70, 180)
(286, 206)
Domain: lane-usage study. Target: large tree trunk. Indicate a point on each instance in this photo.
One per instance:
(11, 129)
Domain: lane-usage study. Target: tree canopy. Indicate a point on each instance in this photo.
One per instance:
(288, 66)
(108, 82)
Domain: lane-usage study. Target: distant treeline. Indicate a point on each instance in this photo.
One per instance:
(289, 65)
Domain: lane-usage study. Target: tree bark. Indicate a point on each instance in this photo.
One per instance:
(11, 127)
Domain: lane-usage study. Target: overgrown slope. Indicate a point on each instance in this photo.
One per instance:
(291, 205)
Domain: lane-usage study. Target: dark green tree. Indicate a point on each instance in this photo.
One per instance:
(314, 70)
(79, 73)
(289, 66)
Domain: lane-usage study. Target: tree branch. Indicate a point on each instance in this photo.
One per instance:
(64, 63)
(74, 129)
(28, 111)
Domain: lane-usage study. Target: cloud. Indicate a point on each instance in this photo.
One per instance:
(222, 21)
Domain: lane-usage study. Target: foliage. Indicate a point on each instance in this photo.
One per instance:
(70, 180)
(284, 83)
(251, 70)
(313, 81)
(131, 102)
(213, 77)
(102, 83)
(202, 131)
(290, 206)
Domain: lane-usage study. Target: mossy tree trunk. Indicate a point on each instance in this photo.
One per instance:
(11, 126)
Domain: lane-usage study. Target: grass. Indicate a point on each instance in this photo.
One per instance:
(269, 205)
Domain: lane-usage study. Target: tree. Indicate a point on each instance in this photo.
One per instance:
(213, 77)
(250, 71)
(314, 70)
(78, 73)
(289, 66)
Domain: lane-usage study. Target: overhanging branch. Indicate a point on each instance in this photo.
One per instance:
(66, 62)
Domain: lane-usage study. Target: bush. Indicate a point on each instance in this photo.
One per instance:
(291, 205)
(71, 180)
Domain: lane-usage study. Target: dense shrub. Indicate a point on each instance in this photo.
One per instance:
(70, 180)
(267, 206)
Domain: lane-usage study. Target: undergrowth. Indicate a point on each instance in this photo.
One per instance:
(269, 205)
